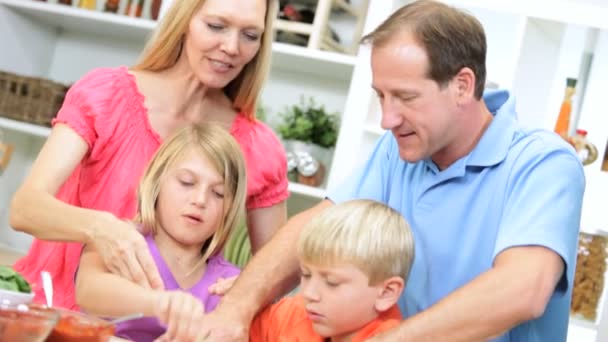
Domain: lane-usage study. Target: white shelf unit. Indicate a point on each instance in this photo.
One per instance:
(24, 127)
(318, 32)
(62, 43)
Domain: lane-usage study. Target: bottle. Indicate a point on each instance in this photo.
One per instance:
(65, 2)
(563, 120)
(586, 151)
(134, 8)
(88, 4)
(111, 6)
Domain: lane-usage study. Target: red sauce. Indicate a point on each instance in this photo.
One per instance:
(77, 327)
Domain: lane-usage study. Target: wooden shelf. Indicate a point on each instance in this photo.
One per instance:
(14, 125)
(306, 190)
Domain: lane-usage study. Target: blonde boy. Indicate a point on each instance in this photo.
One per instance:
(354, 258)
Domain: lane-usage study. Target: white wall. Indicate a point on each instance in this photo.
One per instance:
(76, 54)
(25, 44)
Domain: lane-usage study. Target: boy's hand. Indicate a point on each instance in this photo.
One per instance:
(221, 286)
(182, 313)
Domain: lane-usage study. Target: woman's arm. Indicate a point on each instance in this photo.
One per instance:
(262, 223)
(35, 210)
(102, 293)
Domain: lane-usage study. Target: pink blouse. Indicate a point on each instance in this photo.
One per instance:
(107, 110)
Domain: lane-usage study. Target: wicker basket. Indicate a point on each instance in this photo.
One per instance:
(30, 99)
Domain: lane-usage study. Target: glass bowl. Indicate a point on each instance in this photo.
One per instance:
(79, 327)
(24, 323)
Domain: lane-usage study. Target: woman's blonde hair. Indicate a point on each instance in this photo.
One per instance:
(368, 234)
(164, 49)
(220, 148)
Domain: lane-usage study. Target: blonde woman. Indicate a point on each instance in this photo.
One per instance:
(192, 196)
(206, 63)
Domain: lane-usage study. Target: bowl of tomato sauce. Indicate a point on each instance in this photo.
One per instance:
(24, 323)
(75, 326)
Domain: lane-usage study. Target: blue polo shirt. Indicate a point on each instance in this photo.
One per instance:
(517, 187)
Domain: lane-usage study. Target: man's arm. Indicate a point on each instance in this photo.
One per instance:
(272, 272)
(516, 289)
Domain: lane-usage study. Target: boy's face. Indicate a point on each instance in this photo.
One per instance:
(338, 299)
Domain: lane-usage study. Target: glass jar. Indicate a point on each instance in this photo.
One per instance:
(589, 276)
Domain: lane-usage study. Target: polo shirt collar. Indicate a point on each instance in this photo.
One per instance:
(496, 140)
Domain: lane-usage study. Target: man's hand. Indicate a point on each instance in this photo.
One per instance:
(124, 251)
(224, 325)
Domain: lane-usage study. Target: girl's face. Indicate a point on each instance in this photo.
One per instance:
(223, 36)
(190, 204)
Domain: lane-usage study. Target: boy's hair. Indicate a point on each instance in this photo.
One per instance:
(220, 148)
(368, 234)
(453, 39)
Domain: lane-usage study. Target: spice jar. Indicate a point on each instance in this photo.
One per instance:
(111, 6)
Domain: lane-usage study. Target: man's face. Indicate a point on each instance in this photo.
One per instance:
(338, 299)
(415, 108)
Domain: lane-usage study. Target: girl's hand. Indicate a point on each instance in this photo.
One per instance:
(182, 313)
(124, 251)
(222, 286)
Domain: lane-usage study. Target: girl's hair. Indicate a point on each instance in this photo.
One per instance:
(164, 49)
(367, 234)
(220, 148)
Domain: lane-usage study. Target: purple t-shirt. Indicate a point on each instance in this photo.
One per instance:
(149, 328)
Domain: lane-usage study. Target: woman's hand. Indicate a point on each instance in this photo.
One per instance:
(222, 286)
(183, 315)
(124, 251)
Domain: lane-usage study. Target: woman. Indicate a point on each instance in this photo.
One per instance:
(206, 62)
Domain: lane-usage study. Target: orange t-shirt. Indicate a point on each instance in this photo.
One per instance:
(287, 321)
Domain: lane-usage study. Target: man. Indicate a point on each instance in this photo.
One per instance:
(494, 207)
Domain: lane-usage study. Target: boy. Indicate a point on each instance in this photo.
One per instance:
(355, 258)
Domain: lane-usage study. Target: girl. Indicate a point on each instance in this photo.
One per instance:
(191, 197)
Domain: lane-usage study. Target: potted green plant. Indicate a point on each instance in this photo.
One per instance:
(308, 128)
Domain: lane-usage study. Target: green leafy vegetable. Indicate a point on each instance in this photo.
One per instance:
(13, 281)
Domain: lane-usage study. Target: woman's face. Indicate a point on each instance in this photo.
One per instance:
(223, 36)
